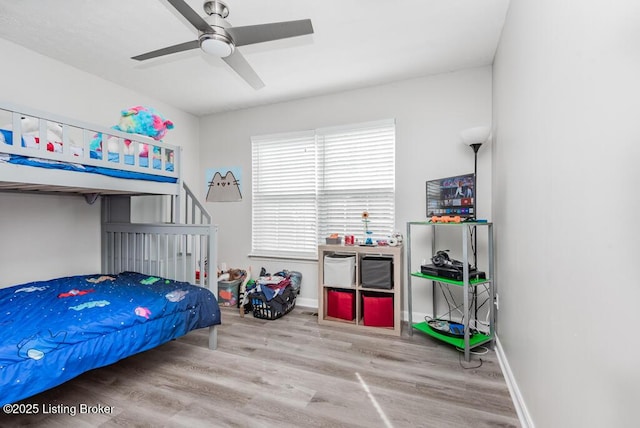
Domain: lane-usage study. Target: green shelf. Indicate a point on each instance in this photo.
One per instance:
(449, 281)
(474, 340)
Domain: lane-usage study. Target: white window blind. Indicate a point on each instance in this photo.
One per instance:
(308, 185)
(284, 176)
(357, 173)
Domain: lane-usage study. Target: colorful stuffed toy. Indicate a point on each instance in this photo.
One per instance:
(136, 120)
(144, 121)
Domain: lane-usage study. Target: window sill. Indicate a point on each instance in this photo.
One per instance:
(313, 259)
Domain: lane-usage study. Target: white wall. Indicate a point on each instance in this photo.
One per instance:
(39, 226)
(566, 155)
(430, 113)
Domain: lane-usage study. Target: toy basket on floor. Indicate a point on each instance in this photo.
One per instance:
(274, 308)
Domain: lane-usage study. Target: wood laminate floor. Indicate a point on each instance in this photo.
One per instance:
(289, 372)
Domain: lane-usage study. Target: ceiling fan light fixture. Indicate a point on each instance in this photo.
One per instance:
(217, 45)
(218, 38)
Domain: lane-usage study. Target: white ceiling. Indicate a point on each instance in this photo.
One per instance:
(356, 43)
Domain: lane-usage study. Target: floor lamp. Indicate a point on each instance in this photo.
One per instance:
(475, 138)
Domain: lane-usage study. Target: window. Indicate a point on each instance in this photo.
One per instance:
(308, 185)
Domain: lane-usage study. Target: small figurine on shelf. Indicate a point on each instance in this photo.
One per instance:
(365, 219)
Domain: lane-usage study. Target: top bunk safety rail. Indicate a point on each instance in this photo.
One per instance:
(82, 146)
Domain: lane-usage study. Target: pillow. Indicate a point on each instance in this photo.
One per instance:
(31, 126)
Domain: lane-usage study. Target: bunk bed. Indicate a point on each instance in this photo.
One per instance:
(154, 284)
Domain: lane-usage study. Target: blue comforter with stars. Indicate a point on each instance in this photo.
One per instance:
(52, 331)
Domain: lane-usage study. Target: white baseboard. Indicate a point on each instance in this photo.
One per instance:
(416, 316)
(516, 396)
(306, 302)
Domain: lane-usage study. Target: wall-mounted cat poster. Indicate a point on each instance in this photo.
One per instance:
(223, 184)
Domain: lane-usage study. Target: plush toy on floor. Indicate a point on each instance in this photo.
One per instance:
(139, 120)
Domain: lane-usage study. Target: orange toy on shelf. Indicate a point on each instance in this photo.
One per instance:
(446, 219)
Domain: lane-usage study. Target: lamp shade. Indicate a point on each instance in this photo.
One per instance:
(477, 135)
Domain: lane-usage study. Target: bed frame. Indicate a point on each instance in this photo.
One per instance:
(177, 249)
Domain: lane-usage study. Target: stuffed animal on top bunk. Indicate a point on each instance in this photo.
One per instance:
(139, 120)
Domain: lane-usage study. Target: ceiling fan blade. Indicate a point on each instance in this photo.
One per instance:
(242, 67)
(168, 50)
(266, 32)
(185, 10)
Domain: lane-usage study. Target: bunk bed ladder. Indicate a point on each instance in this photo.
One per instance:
(194, 213)
(183, 249)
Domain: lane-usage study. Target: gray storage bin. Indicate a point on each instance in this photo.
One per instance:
(377, 272)
(340, 270)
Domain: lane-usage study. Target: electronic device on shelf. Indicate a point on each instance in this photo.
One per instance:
(451, 197)
(446, 267)
(448, 328)
(441, 258)
(451, 273)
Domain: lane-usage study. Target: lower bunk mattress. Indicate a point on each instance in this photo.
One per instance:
(52, 331)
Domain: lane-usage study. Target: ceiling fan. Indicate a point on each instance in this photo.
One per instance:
(219, 38)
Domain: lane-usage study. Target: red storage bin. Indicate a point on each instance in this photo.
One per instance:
(377, 310)
(341, 304)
